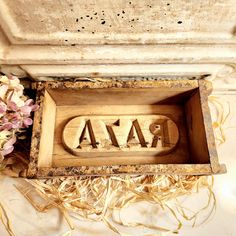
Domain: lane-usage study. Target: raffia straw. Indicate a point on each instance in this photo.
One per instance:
(97, 198)
(5, 220)
(222, 114)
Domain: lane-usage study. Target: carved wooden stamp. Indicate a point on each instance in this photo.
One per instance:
(88, 136)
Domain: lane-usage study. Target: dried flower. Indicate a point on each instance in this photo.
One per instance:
(15, 111)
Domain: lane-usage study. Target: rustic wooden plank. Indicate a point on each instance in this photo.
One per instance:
(47, 132)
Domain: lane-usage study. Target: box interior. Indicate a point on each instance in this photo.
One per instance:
(182, 105)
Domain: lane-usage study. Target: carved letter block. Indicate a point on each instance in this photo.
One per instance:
(88, 136)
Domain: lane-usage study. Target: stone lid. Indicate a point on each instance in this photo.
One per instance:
(110, 38)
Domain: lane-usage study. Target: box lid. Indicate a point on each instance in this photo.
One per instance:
(114, 38)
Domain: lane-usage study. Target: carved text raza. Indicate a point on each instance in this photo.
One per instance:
(101, 135)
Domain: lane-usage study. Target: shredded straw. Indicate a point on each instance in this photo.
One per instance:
(222, 112)
(5, 220)
(101, 199)
(98, 198)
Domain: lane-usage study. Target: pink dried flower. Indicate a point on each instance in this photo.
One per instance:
(8, 146)
(6, 126)
(3, 107)
(27, 122)
(30, 103)
(12, 106)
(25, 110)
(15, 111)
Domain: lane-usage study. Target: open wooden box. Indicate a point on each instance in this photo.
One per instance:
(180, 43)
(184, 102)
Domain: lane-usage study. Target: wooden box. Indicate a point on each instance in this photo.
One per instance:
(183, 41)
(68, 138)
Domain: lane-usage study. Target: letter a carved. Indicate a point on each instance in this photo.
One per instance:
(87, 136)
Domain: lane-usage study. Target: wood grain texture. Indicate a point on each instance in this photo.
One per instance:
(47, 132)
(196, 131)
(64, 113)
(115, 96)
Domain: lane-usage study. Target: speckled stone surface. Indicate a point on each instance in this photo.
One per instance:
(117, 84)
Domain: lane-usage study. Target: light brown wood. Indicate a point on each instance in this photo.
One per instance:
(116, 96)
(91, 110)
(119, 102)
(61, 157)
(196, 130)
(112, 136)
(47, 133)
